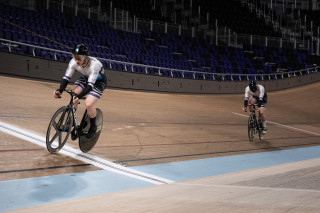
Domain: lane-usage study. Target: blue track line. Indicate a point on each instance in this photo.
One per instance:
(23, 193)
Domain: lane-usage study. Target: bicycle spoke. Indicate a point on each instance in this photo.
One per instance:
(57, 133)
(54, 137)
(55, 125)
(62, 116)
(60, 138)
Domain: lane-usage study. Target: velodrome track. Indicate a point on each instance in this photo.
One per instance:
(161, 153)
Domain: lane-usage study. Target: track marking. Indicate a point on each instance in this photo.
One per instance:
(85, 157)
(127, 127)
(247, 187)
(44, 168)
(117, 129)
(286, 126)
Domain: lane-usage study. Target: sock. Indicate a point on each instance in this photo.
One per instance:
(264, 124)
(92, 121)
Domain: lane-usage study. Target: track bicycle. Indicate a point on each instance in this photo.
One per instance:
(254, 124)
(64, 123)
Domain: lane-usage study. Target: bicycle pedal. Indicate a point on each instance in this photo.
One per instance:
(83, 133)
(73, 135)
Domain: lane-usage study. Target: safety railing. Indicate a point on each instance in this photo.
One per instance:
(209, 74)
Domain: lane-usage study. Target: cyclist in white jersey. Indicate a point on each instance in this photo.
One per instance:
(92, 83)
(255, 93)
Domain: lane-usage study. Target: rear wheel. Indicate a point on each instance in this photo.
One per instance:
(251, 126)
(59, 129)
(86, 144)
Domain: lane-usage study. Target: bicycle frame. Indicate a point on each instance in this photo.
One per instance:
(60, 127)
(71, 106)
(73, 111)
(256, 126)
(77, 128)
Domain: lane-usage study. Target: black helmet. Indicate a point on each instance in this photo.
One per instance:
(80, 49)
(253, 86)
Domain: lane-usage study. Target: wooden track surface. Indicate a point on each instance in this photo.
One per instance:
(146, 128)
(143, 128)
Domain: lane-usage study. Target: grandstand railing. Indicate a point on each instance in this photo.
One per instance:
(218, 35)
(170, 72)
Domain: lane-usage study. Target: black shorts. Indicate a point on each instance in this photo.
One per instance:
(98, 87)
(264, 100)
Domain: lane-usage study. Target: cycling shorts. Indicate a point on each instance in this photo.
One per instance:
(98, 87)
(264, 100)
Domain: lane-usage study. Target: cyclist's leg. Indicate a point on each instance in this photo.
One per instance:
(252, 100)
(263, 113)
(90, 102)
(92, 113)
(263, 109)
(92, 97)
(79, 85)
(263, 119)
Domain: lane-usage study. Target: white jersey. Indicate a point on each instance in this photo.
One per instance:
(260, 92)
(92, 70)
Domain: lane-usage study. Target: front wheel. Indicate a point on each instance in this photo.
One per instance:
(59, 129)
(251, 127)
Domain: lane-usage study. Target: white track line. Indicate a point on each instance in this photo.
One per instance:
(290, 127)
(85, 157)
(248, 187)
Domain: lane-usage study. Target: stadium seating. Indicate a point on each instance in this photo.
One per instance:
(126, 50)
(238, 17)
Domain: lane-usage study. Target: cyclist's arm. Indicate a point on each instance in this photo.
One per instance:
(245, 103)
(85, 91)
(246, 98)
(66, 78)
(63, 85)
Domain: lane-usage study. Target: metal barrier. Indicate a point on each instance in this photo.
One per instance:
(170, 72)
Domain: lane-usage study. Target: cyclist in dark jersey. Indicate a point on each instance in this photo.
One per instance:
(92, 83)
(255, 93)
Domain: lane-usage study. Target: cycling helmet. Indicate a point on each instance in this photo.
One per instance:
(253, 86)
(80, 49)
